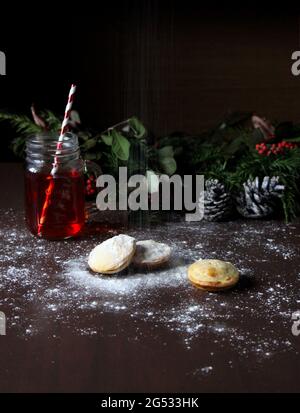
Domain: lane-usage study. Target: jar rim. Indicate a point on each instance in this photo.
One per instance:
(51, 137)
(45, 146)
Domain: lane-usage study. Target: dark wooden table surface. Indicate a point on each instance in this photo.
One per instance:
(151, 332)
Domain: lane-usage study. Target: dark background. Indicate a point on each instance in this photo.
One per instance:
(176, 65)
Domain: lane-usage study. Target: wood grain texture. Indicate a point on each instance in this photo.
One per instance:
(48, 351)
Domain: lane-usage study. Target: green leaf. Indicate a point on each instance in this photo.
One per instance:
(89, 144)
(178, 151)
(21, 123)
(120, 146)
(107, 139)
(138, 127)
(53, 122)
(166, 152)
(293, 139)
(168, 165)
(84, 136)
(91, 156)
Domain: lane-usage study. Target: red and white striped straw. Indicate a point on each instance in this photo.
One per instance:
(64, 126)
(63, 131)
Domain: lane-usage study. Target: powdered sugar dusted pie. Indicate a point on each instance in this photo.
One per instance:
(213, 275)
(151, 254)
(113, 255)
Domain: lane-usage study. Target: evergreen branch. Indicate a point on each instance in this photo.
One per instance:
(53, 122)
(22, 124)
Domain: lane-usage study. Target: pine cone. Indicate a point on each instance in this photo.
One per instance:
(259, 200)
(217, 202)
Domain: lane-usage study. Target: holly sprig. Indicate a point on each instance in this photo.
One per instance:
(234, 167)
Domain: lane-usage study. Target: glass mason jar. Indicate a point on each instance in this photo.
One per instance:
(54, 187)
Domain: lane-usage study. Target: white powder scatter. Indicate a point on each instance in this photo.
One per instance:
(206, 370)
(77, 273)
(203, 371)
(72, 297)
(279, 249)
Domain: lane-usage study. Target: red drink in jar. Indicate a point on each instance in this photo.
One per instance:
(63, 191)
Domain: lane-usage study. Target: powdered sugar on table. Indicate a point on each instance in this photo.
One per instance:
(71, 296)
